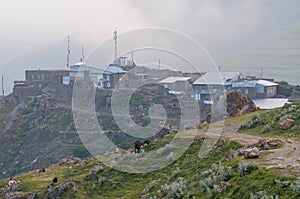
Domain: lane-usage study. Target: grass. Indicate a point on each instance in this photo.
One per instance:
(117, 184)
(189, 167)
(269, 123)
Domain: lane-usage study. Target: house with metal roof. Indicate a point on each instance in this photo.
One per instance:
(247, 88)
(212, 85)
(176, 85)
(101, 76)
(256, 88)
(265, 89)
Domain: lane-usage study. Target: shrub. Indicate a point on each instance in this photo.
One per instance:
(263, 195)
(212, 178)
(296, 187)
(266, 128)
(282, 184)
(150, 186)
(102, 180)
(174, 190)
(246, 168)
(165, 150)
(175, 172)
(171, 157)
(254, 121)
(98, 169)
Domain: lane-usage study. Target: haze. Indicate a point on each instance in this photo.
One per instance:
(244, 35)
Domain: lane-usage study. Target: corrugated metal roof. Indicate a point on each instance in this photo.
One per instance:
(171, 80)
(111, 69)
(217, 78)
(247, 84)
(270, 103)
(81, 66)
(266, 83)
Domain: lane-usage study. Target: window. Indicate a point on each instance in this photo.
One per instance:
(270, 90)
(246, 91)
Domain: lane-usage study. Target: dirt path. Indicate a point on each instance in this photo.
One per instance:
(286, 159)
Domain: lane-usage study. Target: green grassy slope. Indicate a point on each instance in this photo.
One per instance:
(266, 123)
(187, 177)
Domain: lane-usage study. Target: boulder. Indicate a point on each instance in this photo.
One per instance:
(251, 152)
(286, 122)
(15, 195)
(238, 104)
(58, 190)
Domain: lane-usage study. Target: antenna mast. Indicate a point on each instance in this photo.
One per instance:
(116, 45)
(82, 54)
(2, 86)
(68, 52)
(159, 64)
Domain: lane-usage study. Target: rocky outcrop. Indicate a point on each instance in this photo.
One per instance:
(286, 122)
(58, 190)
(238, 104)
(21, 195)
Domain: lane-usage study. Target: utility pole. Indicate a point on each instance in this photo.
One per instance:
(159, 64)
(68, 53)
(132, 57)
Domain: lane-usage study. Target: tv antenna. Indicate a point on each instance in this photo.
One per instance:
(82, 55)
(116, 45)
(68, 52)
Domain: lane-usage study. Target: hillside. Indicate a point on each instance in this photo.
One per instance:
(221, 174)
(188, 177)
(39, 132)
(282, 122)
(34, 134)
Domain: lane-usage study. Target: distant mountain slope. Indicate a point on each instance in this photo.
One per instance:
(34, 134)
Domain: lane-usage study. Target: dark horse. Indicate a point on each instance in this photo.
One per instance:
(137, 146)
(146, 142)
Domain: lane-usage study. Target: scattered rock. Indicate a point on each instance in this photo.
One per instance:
(225, 186)
(265, 144)
(15, 195)
(286, 122)
(149, 187)
(280, 166)
(33, 196)
(58, 190)
(251, 153)
(145, 196)
(289, 141)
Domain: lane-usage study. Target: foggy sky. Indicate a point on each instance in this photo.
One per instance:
(235, 33)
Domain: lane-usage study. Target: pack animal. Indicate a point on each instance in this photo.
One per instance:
(137, 146)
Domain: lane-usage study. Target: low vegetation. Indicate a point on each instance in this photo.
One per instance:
(282, 122)
(187, 177)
